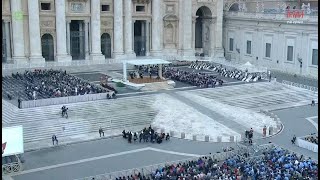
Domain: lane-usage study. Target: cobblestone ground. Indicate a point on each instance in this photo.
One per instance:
(298, 79)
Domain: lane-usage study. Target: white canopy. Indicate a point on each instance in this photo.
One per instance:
(248, 64)
(147, 62)
(12, 141)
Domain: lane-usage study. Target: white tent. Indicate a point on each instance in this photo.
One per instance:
(12, 141)
(252, 68)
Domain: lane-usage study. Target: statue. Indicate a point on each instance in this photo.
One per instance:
(308, 11)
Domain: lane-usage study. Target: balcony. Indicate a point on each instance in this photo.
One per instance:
(274, 15)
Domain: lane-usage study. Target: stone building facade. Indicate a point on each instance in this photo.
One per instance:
(36, 31)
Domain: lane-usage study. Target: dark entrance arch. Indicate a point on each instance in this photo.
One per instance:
(203, 28)
(106, 45)
(234, 7)
(47, 47)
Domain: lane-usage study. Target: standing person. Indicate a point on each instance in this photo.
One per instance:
(101, 131)
(264, 131)
(53, 139)
(135, 137)
(19, 103)
(140, 136)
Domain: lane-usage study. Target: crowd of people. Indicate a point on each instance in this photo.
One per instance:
(40, 84)
(146, 135)
(223, 71)
(196, 79)
(274, 164)
(141, 71)
(312, 139)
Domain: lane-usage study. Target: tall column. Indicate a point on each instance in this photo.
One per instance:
(17, 32)
(81, 39)
(181, 29)
(118, 29)
(128, 28)
(86, 40)
(194, 33)
(187, 26)
(218, 38)
(34, 32)
(147, 38)
(68, 37)
(96, 31)
(156, 28)
(124, 71)
(8, 42)
(62, 55)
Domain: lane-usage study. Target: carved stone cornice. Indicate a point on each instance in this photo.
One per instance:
(141, 1)
(78, 1)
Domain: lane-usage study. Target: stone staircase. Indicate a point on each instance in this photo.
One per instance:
(156, 86)
(86, 117)
(8, 112)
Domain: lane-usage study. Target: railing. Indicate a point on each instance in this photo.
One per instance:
(313, 18)
(59, 64)
(148, 170)
(10, 168)
(289, 83)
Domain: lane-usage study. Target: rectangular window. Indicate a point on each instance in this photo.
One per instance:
(290, 53)
(248, 47)
(315, 57)
(45, 6)
(268, 50)
(105, 8)
(139, 8)
(231, 44)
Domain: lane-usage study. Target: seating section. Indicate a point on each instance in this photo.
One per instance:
(195, 79)
(86, 117)
(230, 73)
(45, 84)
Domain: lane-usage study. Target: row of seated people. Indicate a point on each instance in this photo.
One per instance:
(274, 164)
(54, 83)
(312, 139)
(146, 135)
(196, 79)
(223, 71)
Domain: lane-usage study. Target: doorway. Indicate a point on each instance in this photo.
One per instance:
(47, 47)
(203, 30)
(140, 38)
(77, 40)
(106, 45)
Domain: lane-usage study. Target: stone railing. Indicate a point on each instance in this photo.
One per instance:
(205, 138)
(310, 88)
(270, 16)
(28, 65)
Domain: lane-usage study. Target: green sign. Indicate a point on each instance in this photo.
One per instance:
(18, 15)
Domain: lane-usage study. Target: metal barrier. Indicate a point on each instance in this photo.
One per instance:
(310, 88)
(148, 170)
(10, 168)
